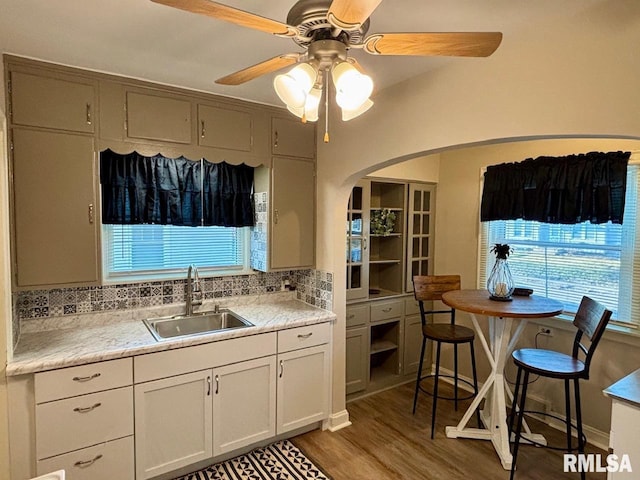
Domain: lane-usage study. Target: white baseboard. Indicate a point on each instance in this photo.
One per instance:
(336, 421)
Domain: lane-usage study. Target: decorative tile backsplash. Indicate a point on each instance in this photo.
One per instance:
(259, 231)
(314, 287)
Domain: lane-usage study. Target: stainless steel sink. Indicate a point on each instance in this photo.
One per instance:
(200, 323)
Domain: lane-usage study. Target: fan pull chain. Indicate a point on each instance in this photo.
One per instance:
(326, 108)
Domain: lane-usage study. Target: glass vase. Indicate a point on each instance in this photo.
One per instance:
(500, 283)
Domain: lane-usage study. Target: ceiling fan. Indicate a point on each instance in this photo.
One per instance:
(327, 29)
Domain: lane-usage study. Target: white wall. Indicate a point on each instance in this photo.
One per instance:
(575, 77)
(420, 169)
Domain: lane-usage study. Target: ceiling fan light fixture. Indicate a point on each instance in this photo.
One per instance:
(293, 86)
(312, 104)
(351, 114)
(353, 88)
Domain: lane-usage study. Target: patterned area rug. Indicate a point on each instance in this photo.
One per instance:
(278, 461)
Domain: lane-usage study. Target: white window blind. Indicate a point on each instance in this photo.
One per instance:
(565, 262)
(159, 250)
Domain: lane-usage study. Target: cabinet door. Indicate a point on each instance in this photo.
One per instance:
(358, 212)
(293, 213)
(54, 208)
(303, 387)
(172, 423)
(244, 404)
(42, 101)
(293, 138)
(225, 128)
(412, 343)
(357, 357)
(420, 229)
(151, 116)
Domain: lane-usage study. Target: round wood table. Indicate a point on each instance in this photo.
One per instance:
(498, 345)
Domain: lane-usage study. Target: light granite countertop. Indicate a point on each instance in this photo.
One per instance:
(80, 339)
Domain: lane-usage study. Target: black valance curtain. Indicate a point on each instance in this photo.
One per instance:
(572, 189)
(169, 191)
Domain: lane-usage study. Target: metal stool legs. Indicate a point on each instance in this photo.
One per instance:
(437, 377)
(520, 415)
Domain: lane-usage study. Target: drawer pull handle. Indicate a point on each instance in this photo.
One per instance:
(89, 121)
(281, 368)
(305, 336)
(87, 463)
(387, 310)
(86, 409)
(86, 379)
(217, 384)
(353, 315)
(208, 386)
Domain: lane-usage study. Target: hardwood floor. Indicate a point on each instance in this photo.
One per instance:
(385, 441)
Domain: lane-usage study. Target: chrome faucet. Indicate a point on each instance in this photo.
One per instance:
(194, 293)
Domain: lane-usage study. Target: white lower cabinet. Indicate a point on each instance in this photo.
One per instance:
(244, 404)
(303, 387)
(173, 423)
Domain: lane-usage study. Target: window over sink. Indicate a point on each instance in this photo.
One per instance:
(139, 252)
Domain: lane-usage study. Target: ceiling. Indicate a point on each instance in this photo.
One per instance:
(141, 39)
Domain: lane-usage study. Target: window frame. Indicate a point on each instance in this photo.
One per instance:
(137, 276)
(629, 255)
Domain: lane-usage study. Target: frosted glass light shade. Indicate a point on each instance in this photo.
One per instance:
(356, 112)
(352, 87)
(292, 87)
(312, 104)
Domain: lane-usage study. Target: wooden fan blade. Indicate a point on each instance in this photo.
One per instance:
(479, 44)
(233, 15)
(262, 68)
(351, 14)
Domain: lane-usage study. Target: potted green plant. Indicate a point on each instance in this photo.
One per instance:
(382, 222)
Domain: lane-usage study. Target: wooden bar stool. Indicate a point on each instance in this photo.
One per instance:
(430, 288)
(591, 321)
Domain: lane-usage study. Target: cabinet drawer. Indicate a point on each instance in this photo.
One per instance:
(303, 337)
(189, 359)
(107, 461)
(78, 422)
(357, 315)
(73, 381)
(411, 306)
(386, 310)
